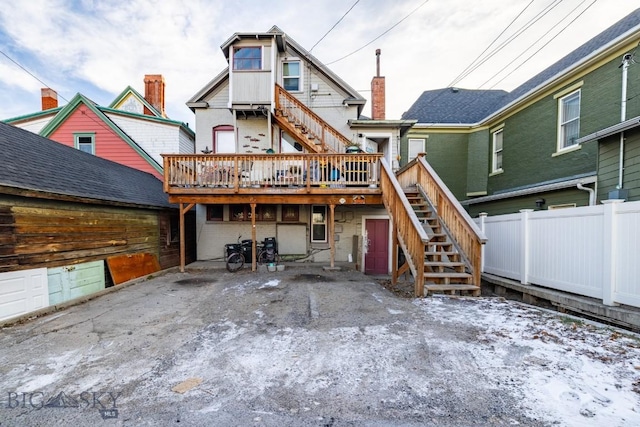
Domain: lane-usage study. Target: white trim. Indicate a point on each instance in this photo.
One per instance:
(569, 149)
(495, 170)
(76, 141)
(300, 76)
(568, 90)
(562, 121)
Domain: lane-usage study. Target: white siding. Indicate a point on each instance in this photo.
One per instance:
(34, 126)
(187, 143)
(153, 137)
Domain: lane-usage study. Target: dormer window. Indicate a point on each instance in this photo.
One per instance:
(247, 58)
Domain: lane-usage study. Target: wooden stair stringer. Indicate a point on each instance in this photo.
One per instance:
(446, 267)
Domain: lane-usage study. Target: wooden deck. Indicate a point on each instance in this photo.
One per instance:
(273, 178)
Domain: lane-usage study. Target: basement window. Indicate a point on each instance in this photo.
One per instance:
(243, 212)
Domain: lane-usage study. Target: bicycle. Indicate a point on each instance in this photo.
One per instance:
(237, 254)
(268, 251)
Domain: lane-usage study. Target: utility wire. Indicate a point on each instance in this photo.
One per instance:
(25, 70)
(385, 32)
(541, 47)
(334, 25)
(506, 42)
(98, 122)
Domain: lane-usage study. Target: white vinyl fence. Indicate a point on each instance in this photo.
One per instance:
(592, 251)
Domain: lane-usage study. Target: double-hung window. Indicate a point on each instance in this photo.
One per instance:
(568, 120)
(496, 163)
(291, 76)
(247, 58)
(85, 142)
(318, 223)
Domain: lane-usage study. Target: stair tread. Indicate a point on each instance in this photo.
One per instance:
(447, 253)
(447, 275)
(444, 263)
(451, 287)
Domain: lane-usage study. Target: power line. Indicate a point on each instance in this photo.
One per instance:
(334, 25)
(91, 117)
(25, 70)
(471, 67)
(541, 47)
(385, 32)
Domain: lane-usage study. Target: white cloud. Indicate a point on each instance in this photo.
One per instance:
(100, 47)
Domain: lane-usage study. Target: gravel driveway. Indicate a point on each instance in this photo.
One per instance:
(308, 347)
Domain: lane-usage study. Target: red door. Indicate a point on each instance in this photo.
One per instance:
(376, 259)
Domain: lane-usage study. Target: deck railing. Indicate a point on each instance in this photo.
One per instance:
(268, 170)
(298, 113)
(466, 234)
(409, 229)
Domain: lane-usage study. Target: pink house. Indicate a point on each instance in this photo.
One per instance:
(133, 130)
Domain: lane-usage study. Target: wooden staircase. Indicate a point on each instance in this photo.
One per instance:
(309, 129)
(444, 268)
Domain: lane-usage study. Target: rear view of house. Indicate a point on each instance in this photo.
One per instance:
(283, 151)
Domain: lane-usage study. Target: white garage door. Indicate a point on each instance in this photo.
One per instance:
(22, 292)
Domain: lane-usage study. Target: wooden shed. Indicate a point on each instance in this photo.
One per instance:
(64, 212)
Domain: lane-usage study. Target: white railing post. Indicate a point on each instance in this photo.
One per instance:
(524, 248)
(609, 280)
(483, 218)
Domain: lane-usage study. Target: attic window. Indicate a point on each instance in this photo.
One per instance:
(85, 142)
(247, 58)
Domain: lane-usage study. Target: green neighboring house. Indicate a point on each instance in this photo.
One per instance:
(535, 147)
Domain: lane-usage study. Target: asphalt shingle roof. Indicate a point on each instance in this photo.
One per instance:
(446, 106)
(32, 162)
(453, 105)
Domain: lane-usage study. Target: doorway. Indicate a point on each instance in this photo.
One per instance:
(376, 245)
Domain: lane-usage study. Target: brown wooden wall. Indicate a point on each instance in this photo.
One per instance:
(46, 233)
(169, 238)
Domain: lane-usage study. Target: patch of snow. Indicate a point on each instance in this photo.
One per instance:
(270, 284)
(598, 385)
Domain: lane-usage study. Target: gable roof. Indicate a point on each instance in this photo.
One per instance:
(79, 99)
(33, 163)
(131, 91)
(584, 54)
(283, 42)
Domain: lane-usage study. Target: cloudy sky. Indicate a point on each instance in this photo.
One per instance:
(99, 47)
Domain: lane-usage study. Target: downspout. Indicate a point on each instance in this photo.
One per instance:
(592, 193)
(623, 114)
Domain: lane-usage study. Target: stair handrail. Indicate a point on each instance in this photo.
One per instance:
(320, 129)
(410, 231)
(463, 229)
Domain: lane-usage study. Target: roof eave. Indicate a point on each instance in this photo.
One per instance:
(587, 179)
(611, 130)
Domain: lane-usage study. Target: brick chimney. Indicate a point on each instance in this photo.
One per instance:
(377, 93)
(154, 92)
(49, 98)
